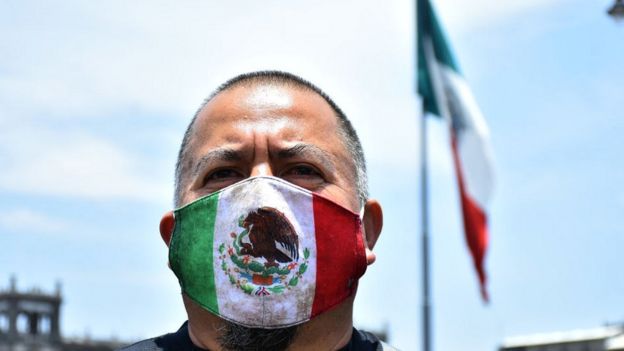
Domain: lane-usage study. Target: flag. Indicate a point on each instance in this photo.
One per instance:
(445, 93)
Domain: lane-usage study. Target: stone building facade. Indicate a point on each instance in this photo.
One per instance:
(608, 338)
(30, 321)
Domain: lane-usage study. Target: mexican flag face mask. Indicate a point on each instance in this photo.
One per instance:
(265, 253)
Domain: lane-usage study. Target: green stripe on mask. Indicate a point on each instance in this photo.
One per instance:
(194, 237)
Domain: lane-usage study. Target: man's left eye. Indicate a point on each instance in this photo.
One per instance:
(302, 171)
(305, 176)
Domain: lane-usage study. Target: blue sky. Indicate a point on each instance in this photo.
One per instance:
(94, 98)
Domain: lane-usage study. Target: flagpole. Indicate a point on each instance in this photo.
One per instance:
(424, 207)
(424, 186)
(424, 198)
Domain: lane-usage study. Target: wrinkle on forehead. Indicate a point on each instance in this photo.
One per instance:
(268, 97)
(267, 124)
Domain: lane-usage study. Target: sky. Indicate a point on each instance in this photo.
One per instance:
(95, 97)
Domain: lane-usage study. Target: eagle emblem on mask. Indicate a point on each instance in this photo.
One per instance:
(269, 232)
(263, 258)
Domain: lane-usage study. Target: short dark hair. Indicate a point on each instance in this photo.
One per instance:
(346, 131)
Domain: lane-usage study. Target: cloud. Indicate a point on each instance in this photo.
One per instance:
(463, 17)
(23, 219)
(136, 57)
(168, 58)
(74, 164)
(131, 54)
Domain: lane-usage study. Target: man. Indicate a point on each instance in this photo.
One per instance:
(273, 225)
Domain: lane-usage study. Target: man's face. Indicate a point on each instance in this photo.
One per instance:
(269, 130)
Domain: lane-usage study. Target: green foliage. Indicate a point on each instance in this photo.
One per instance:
(277, 289)
(246, 264)
(248, 289)
(238, 241)
(303, 268)
(238, 262)
(256, 266)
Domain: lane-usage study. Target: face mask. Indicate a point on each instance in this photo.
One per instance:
(265, 253)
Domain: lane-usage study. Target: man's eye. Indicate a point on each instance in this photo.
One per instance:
(222, 175)
(303, 171)
(306, 176)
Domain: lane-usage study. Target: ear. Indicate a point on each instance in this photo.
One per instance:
(167, 224)
(372, 222)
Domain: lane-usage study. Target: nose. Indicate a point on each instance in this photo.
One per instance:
(261, 162)
(261, 169)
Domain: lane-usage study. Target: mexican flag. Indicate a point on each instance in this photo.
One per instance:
(445, 93)
(265, 253)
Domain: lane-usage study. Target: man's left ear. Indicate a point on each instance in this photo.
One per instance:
(372, 221)
(167, 223)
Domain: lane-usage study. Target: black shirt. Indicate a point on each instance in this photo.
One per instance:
(181, 341)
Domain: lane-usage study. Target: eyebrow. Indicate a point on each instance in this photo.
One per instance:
(308, 151)
(220, 154)
(301, 150)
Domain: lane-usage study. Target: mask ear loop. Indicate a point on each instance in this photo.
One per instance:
(362, 213)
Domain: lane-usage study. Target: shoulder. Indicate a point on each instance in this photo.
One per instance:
(178, 341)
(145, 345)
(363, 340)
(386, 347)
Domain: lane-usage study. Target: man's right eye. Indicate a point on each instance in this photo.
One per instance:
(222, 177)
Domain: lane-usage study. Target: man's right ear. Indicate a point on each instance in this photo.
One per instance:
(167, 224)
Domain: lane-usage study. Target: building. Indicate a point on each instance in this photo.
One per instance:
(608, 338)
(30, 321)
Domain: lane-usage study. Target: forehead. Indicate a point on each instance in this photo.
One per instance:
(282, 113)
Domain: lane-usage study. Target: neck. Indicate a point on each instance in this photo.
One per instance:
(204, 328)
(328, 331)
